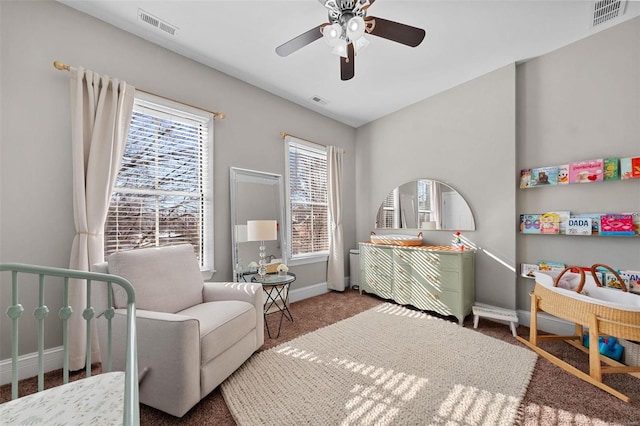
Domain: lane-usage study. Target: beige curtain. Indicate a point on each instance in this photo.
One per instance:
(101, 110)
(335, 267)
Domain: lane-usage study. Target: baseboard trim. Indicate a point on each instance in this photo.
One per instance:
(547, 323)
(28, 364)
(298, 294)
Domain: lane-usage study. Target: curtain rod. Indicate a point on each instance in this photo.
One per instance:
(63, 67)
(285, 134)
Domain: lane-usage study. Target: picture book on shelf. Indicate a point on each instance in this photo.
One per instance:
(610, 280)
(586, 171)
(611, 169)
(525, 178)
(546, 265)
(630, 168)
(549, 223)
(563, 174)
(635, 218)
(542, 176)
(633, 277)
(528, 269)
(579, 226)
(563, 216)
(616, 224)
(530, 223)
(595, 220)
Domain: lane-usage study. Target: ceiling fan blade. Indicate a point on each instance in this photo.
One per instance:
(395, 31)
(347, 65)
(300, 41)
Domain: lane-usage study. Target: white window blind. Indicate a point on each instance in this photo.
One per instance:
(163, 193)
(424, 200)
(307, 199)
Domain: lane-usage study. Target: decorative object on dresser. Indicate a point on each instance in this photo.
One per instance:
(432, 278)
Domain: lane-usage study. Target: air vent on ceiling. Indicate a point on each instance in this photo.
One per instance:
(157, 23)
(606, 10)
(318, 100)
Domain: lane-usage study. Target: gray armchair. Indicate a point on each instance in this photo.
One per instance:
(191, 334)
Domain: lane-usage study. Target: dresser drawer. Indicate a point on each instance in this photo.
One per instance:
(377, 258)
(450, 262)
(381, 285)
(434, 299)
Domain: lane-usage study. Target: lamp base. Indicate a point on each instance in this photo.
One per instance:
(262, 270)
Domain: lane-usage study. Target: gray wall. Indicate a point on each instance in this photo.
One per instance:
(580, 102)
(36, 212)
(464, 137)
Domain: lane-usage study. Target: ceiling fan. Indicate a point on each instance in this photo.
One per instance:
(348, 22)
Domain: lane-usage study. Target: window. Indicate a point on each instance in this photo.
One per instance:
(307, 201)
(424, 201)
(163, 193)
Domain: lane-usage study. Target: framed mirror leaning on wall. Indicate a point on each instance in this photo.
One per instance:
(255, 195)
(425, 204)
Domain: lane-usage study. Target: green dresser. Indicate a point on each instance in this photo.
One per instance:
(431, 278)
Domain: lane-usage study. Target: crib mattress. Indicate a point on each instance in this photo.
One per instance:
(96, 400)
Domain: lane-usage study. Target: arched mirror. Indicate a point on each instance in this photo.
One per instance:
(425, 204)
(255, 196)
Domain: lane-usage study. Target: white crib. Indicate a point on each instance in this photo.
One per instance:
(109, 398)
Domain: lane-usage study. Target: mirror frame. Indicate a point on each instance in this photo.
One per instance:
(234, 174)
(471, 217)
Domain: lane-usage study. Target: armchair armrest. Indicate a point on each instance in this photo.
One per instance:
(169, 349)
(246, 292)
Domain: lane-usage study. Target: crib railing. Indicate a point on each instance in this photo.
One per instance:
(131, 415)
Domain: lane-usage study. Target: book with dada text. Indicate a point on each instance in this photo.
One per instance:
(579, 226)
(586, 171)
(630, 168)
(542, 176)
(595, 220)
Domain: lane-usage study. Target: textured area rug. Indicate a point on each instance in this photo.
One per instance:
(385, 366)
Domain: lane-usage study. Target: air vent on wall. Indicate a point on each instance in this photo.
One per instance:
(606, 10)
(157, 23)
(318, 100)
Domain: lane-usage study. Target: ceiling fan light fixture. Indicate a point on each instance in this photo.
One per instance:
(355, 28)
(332, 34)
(340, 49)
(360, 43)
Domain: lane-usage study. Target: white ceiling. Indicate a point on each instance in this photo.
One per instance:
(465, 39)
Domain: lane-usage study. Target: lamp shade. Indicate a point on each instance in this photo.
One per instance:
(262, 230)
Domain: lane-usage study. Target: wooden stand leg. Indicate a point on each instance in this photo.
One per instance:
(595, 368)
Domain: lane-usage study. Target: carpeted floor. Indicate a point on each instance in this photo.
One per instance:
(553, 397)
(431, 372)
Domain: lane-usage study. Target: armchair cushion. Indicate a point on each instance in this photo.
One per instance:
(222, 324)
(166, 279)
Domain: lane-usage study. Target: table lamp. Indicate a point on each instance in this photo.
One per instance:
(262, 230)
